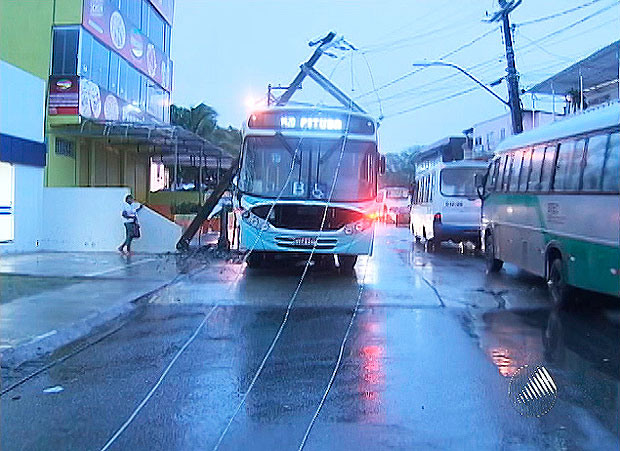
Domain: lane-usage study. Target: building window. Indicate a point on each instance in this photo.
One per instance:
(65, 147)
(113, 73)
(167, 39)
(156, 28)
(64, 51)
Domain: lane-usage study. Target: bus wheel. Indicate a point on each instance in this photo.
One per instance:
(347, 263)
(561, 293)
(493, 264)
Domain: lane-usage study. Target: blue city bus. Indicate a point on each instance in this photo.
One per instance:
(307, 183)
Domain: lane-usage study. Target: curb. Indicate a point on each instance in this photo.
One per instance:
(13, 357)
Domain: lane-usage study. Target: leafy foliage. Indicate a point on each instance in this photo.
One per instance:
(202, 120)
(399, 168)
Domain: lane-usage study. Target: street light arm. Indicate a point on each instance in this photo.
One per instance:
(460, 69)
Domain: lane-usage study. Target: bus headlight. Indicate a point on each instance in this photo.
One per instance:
(357, 227)
(255, 221)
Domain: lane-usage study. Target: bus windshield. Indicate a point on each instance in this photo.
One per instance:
(304, 168)
(460, 182)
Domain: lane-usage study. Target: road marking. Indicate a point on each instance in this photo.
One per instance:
(118, 268)
(159, 381)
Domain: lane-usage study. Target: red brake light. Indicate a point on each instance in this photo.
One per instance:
(437, 217)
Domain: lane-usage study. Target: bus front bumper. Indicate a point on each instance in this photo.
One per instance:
(301, 241)
(456, 233)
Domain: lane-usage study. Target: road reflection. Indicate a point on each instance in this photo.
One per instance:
(580, 347)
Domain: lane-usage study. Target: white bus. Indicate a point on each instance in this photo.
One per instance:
(445, 204)
(290, 159)
(552, 203)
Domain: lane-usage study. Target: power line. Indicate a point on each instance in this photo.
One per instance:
(491, 60)
(560, 14)
(415, 71)
(417, 107)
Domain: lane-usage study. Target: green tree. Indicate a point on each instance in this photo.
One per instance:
(399, 168)
(202, 120)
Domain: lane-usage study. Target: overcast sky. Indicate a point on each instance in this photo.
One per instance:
(225, 52)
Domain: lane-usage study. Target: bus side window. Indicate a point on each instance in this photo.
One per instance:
(492, 176)
(547, 167)
(508, 172)
(537, 159)
(428, 188)
(418, 192)
(432, 185)
(501, 173)
(525, 170)
(569, 164)
(595, 157)
(516, 171)
(562, 181)
(611, 177)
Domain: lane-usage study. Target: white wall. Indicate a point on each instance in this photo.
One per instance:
(27, 210)
(22, 103)
(492, 128)
(89, 219)
(22, 114)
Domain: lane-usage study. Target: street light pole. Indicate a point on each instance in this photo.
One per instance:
(460, 69)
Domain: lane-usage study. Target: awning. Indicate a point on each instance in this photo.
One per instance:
(598, 70)
(168, 144)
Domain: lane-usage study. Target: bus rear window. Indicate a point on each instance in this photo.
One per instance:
(460, 181)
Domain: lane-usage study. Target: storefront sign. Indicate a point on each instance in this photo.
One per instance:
(64, 95)
(74, 95)
(100, 104)
(108, 25)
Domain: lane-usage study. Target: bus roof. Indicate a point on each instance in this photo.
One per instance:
(466, 164)
(597, 119)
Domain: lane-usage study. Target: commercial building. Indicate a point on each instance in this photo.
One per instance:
(110, 64)
(488, 134)
(593, 79)
(85, 119)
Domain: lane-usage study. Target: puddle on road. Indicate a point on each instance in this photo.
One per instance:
(579, 347)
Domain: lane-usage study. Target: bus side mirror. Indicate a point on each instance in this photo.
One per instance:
(479, 181)
(381, 164)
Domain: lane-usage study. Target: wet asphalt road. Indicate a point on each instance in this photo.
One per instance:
(426, 365)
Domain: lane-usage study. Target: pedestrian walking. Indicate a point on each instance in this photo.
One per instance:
(130, 219)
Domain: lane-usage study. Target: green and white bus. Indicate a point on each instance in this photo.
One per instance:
(551, 204)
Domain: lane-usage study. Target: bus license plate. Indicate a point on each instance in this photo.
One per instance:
(305, 241)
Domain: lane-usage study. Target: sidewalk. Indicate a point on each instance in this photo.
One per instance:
(50, 299)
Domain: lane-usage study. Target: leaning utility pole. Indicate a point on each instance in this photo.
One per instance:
(514, 101)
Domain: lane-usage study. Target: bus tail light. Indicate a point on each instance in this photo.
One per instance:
(373, 216)
(437, 217)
